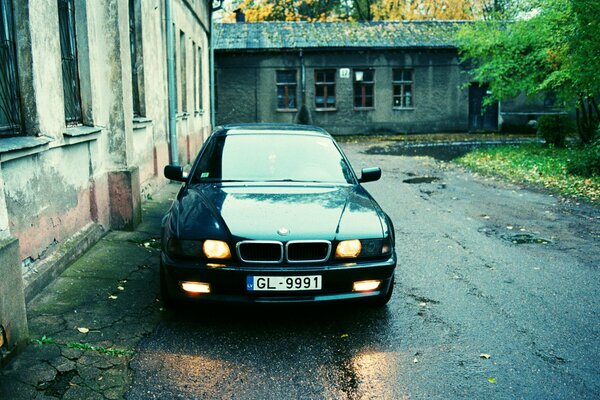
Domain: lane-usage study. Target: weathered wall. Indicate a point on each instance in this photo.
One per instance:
(62, 186)
(246, 90)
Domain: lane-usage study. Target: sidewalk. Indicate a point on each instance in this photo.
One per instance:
(84, 327)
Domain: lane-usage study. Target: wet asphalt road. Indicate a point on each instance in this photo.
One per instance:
(485, 268)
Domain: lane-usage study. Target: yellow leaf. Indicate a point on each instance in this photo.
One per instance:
(112, 297)
(486, 356)
(120, 288)
(345, 335)
(83, 330)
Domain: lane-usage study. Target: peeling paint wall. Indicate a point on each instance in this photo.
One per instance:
(58, 180)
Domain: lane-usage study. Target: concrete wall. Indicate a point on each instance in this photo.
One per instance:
(246, 90)
(62, 186)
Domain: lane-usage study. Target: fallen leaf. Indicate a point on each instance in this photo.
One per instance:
(492, 380)
(345, 335)
(83, 330)
(486, 356)
(112, 297)
(415, 360)
(509, 227)
(423, 304)
(120, 288)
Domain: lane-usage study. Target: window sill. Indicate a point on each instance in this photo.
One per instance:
(81, 133)
(141, 122)
(403, 108)
(199, 112)
(22, 146)
(288, 110)
(325, 109)
(184, 115)
(364, 108)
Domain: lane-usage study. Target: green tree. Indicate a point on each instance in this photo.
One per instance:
(540, 46)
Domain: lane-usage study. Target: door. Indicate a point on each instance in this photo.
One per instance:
(481, 119)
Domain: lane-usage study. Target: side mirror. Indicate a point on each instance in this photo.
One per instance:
(369, 175)
(174, 173)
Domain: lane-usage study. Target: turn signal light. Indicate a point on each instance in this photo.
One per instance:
(366, 286)
(195, 287)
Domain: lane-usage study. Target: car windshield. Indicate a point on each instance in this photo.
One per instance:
(272, 158)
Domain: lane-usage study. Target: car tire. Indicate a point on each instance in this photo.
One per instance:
(167, 300)
(383, 300)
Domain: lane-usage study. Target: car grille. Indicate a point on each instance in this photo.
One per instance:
(308, 251)
(271, 252)
(260, 252)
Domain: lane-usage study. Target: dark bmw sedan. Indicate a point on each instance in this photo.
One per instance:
(274, 213)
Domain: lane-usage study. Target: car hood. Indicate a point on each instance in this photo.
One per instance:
(259, 212)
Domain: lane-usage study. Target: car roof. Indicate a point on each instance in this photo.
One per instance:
(272, 128)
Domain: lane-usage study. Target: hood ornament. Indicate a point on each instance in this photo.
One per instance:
(283, 231)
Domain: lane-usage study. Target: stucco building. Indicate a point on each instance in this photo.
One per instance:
(84, 127)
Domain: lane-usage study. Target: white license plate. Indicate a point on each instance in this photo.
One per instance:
(283, 283)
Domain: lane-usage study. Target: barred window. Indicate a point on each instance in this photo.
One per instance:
(286, 90)
(10, 113)
(403, 86)
(325, 89)
(364, 88)
(183, 67)
(137, 77)
(70, 69)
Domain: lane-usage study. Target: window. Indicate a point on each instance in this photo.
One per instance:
(68, 49)
(286, 90)
(325, 89)
(402, 81)
(136, 59)
(183, 71)
(364, 88)
(10, 115)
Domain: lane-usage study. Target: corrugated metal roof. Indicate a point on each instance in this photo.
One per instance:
(295, 35)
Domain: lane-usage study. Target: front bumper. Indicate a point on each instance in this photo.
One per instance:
(228, 282)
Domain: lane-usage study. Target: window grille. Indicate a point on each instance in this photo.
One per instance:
(10, 114)
(68, 48)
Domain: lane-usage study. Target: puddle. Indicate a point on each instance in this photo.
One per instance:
(442, 151)
(421, 179)
(525, 238)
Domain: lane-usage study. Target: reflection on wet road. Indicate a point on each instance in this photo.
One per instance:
(496, 297)
(273, 352)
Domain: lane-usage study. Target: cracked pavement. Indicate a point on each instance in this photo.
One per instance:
(496, 296)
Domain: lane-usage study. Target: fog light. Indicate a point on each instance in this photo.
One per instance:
(195, 287)
(366, 286)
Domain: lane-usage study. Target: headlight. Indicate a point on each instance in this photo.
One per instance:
(213, 249)
(363, 248)
(348, 249)
(216, 249)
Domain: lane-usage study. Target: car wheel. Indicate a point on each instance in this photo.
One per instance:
(383, 300)
(167, 300)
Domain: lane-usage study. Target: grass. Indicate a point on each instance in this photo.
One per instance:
(111, 351)
(430, 137)
(537, 164)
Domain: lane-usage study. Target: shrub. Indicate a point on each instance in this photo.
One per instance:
(589, 164)
(554, 128)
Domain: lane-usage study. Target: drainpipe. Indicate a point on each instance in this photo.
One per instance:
(211, 64)
(172, 101)
(302, 78)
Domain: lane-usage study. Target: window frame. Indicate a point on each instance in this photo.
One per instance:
(11, 72)
(325, 84)
(183, 71)
(137, 64)
(363, 85)
(287, 90)
(402, 83)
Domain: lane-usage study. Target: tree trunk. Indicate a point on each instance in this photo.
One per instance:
(588, 117)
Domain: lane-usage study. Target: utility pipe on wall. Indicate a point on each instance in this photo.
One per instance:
(172, 100)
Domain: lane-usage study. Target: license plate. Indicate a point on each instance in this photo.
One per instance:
(283, 283)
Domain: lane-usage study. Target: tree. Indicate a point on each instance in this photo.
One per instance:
(427, 9)
(290, 10)
(546, 46)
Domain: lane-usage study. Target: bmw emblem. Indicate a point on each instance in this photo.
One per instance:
(283, 231)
